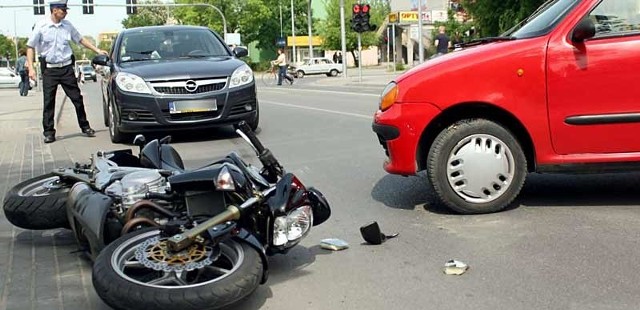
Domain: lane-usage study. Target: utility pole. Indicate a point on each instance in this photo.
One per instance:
(309, 25)
(420, 44)
(343, 38)
(293, 35)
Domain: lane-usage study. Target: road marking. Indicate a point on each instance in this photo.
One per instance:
(369, 117)
(322, 91)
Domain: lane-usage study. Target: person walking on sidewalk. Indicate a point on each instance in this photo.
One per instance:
(50, 38)
(23, 71)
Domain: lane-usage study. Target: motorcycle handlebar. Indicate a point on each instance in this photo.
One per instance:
(242, 126)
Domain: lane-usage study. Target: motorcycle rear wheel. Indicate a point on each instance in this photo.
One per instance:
(123, 282)
(38, 203)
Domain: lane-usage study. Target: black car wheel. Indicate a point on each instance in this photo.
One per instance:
(300, 74)
(114, 131)
(333, 72)
(253, 123)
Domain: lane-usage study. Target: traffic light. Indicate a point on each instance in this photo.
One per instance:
(131, 7)
(87, 6)
(38, 7)
(356, 17)
(366, 26)
(360, 18)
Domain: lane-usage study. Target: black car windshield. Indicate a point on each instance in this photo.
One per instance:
(543, 20)
(87, 69)
(157, 43)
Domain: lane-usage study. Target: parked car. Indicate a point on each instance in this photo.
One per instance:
(10, 79)
(163, 78)
(89, 73)
(554, 94)
(318, 65)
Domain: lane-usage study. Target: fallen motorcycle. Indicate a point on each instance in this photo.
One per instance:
(200, 240)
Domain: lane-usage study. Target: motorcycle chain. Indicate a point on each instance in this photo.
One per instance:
(154, 254)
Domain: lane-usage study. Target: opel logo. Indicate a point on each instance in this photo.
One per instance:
(191, 86)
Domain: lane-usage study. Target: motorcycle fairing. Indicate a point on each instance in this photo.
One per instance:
(246, 236)
(160, 156)
(204, 179)
(89, 209)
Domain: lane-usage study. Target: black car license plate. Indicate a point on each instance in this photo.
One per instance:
(192, 106)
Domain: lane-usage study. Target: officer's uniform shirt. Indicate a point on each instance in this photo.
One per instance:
(52, 40)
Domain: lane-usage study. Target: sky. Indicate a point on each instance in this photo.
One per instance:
(103, 19)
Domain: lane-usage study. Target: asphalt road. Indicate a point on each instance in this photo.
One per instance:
(571, 242)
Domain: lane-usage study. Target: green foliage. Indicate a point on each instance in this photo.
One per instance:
(330, 28)
(147, 16)
(80, 52)
(399, 66)
(7, 47)
(494, 17)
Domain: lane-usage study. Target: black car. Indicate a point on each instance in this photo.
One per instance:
(164, 78)
(89, 73)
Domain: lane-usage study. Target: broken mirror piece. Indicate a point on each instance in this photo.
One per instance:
(454, 267)
(333, 244)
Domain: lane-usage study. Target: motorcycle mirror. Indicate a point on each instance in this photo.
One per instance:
(371, 234)
(139, 140)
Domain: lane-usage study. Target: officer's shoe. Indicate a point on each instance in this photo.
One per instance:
(89, 132)
(49, 139)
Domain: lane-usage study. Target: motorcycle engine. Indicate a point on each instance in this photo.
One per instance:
(134, 186)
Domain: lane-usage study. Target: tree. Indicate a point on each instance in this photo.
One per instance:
(147, 16)
(494, 17)
(330, 28)
(7, 47)
(256, 20)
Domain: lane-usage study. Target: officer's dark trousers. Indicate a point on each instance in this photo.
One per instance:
(52, 77)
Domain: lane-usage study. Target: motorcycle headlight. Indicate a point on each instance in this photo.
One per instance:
(132, 83)
(242, 76)
(293, 226)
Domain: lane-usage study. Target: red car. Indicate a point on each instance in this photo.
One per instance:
(555, 94)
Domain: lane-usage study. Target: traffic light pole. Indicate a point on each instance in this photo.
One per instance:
(360, 56)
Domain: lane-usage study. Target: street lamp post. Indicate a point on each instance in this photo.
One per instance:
(293, 35)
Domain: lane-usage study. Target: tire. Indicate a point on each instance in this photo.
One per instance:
(486, 183)
(300, 74)
(129, 288)
(38, 203)
(269, 78)
(333, 72)
(253, 122)
(114, 131)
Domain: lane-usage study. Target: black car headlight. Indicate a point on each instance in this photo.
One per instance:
(243, 75)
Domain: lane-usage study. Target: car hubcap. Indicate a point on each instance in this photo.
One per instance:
(480, 168)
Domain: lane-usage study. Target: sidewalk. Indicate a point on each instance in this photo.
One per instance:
(377, 76)
(38, 269)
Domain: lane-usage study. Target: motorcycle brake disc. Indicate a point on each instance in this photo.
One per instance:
(154, 254)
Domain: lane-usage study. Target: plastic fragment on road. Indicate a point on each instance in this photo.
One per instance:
(454, 267)
(333, 244)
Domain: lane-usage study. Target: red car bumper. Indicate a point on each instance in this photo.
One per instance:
(399, 130)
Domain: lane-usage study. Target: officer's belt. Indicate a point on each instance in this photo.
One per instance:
(60, 64)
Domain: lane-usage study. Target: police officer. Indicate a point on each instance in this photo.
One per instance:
(51, 38)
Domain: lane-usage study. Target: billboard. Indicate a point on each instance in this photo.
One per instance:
(412, 5)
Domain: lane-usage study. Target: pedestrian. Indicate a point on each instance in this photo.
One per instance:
(441, 42)
(281, 62)
(23, 71)
(335, 57)
(339, 57)
(50, 37)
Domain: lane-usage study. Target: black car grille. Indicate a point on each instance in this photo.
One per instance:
(183, 91)
(195, 116)
(141, 115)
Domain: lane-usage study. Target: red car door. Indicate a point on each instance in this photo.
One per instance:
(593, 91)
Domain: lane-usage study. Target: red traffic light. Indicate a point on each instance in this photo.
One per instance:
(365, 8)
(356, 8)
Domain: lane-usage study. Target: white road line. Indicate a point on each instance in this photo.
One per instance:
(369, 117)
(319, 91)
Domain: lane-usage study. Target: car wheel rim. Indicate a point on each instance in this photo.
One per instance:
(480, 168)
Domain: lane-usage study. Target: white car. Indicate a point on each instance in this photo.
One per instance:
(318, 65)
(9, 79)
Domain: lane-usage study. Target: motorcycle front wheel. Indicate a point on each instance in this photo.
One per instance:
(137, 272)
(38, 203)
